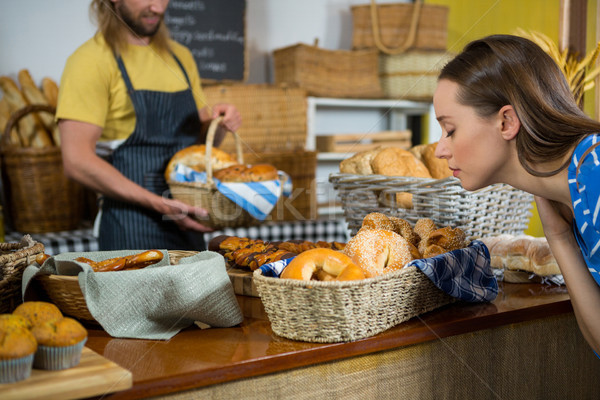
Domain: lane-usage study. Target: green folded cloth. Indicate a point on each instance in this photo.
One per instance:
(155, 302)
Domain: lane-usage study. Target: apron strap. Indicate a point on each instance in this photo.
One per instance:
(128, 81)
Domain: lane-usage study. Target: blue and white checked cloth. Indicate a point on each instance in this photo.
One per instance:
(465, 273)
(258, 198)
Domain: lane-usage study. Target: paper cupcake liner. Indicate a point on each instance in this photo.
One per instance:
(15, 370)
(56, 358)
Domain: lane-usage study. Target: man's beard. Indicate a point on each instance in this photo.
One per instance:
(137, 27)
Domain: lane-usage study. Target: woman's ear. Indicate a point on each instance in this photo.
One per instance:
(511, 125)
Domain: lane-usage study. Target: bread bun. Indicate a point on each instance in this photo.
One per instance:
(449, 238)
(243, 173)
(378, 251)
(438, 167)
(360, 163)
(394, 161)
(322, 264)
(377, 220)
(195, 157)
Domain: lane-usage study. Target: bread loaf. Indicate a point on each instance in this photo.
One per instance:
(33, 95)
(243, 173)
(360, 163)
(5, 112)
(195, 157)
(50, 90)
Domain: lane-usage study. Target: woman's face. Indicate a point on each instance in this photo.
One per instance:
(473, 146)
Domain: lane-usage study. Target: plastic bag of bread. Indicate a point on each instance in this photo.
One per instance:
(523, 259)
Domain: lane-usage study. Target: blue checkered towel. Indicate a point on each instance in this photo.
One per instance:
(464, 273)
(258, 198)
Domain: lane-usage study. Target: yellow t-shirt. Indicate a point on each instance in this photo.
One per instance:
(92, 89)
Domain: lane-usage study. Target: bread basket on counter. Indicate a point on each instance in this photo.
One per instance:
(344, 311)
(493, 210)
(222, 212)
(65, 292)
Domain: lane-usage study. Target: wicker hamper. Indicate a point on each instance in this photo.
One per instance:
(394, 23)
(40, 198)
(326, 312)
(411, 75)
(301, 166)
(494, 210)
(328, 73)
(273, 116)
(14, 258)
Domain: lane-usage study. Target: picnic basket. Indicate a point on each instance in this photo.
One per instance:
(39, 197)
(64, 290)
(496, 209)
(343, 311)
(14, 258)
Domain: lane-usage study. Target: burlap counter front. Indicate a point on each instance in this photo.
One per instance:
(527, 360)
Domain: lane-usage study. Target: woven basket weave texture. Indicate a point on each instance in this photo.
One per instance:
(328, 73)
(496, 209)
(327, 312)
(394, 26)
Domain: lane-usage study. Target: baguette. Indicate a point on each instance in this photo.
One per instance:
(5, 112)
(33, 95)
(32, 134)
(50, 90)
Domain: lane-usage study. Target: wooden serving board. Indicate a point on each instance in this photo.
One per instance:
(94, 376)
(241, 279)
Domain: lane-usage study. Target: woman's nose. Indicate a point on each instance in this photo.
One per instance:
(441, 150)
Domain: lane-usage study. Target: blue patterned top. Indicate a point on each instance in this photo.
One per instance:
(585, 196)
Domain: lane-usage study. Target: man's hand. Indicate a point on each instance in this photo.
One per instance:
(183, 215)
(232, 120)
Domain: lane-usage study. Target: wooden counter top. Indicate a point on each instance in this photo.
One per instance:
(196, 358)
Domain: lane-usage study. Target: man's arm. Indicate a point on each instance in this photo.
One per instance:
(80, 162)
(232, 121)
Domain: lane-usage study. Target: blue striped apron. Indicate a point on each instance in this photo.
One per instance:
(165, 123)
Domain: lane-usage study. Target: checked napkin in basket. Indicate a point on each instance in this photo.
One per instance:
(258, 198)
(465, 274)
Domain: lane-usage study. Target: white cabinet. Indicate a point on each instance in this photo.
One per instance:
(329, 116)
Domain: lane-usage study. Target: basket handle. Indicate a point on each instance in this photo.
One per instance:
(20, 113)
(412, 33)
(210, 137)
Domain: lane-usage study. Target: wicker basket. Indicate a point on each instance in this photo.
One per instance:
(412, 75)
(326, 312)
(496, 209)
(301, 166)
(328, 73)
(14, 258)
(64, 291)
(40, 198)
(274, 116)
(222, 212)
(399, 26)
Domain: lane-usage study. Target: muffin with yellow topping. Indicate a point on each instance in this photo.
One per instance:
(17, 349)
(60, 343)
(38, 311)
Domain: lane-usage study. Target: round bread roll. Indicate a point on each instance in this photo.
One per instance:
(377, 220)
(395, 161)
(402, 227)
(243, 173)
(195, 157)
(324, 265)
(360, 163)
(438, 167)
(449, 238)
(379, 251)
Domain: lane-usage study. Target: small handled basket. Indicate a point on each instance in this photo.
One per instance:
(40, 198)
(222, 212)
(14, 258)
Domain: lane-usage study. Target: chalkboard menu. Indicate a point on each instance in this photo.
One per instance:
(214, 31)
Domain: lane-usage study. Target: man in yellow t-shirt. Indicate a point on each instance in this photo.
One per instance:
(133, 90)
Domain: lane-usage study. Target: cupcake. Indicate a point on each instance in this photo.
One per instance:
(17, 349)
(38, 311)
(12, 322)
(60, 343)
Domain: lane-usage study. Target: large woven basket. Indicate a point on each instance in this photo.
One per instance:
(399, 26)
(14, 258)
(65, 292)
(274, 116)
(412, 75)
(493, 210)
(222, 212)
(301, 166)
(40, 198)
(326, 312)
(328, 73)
